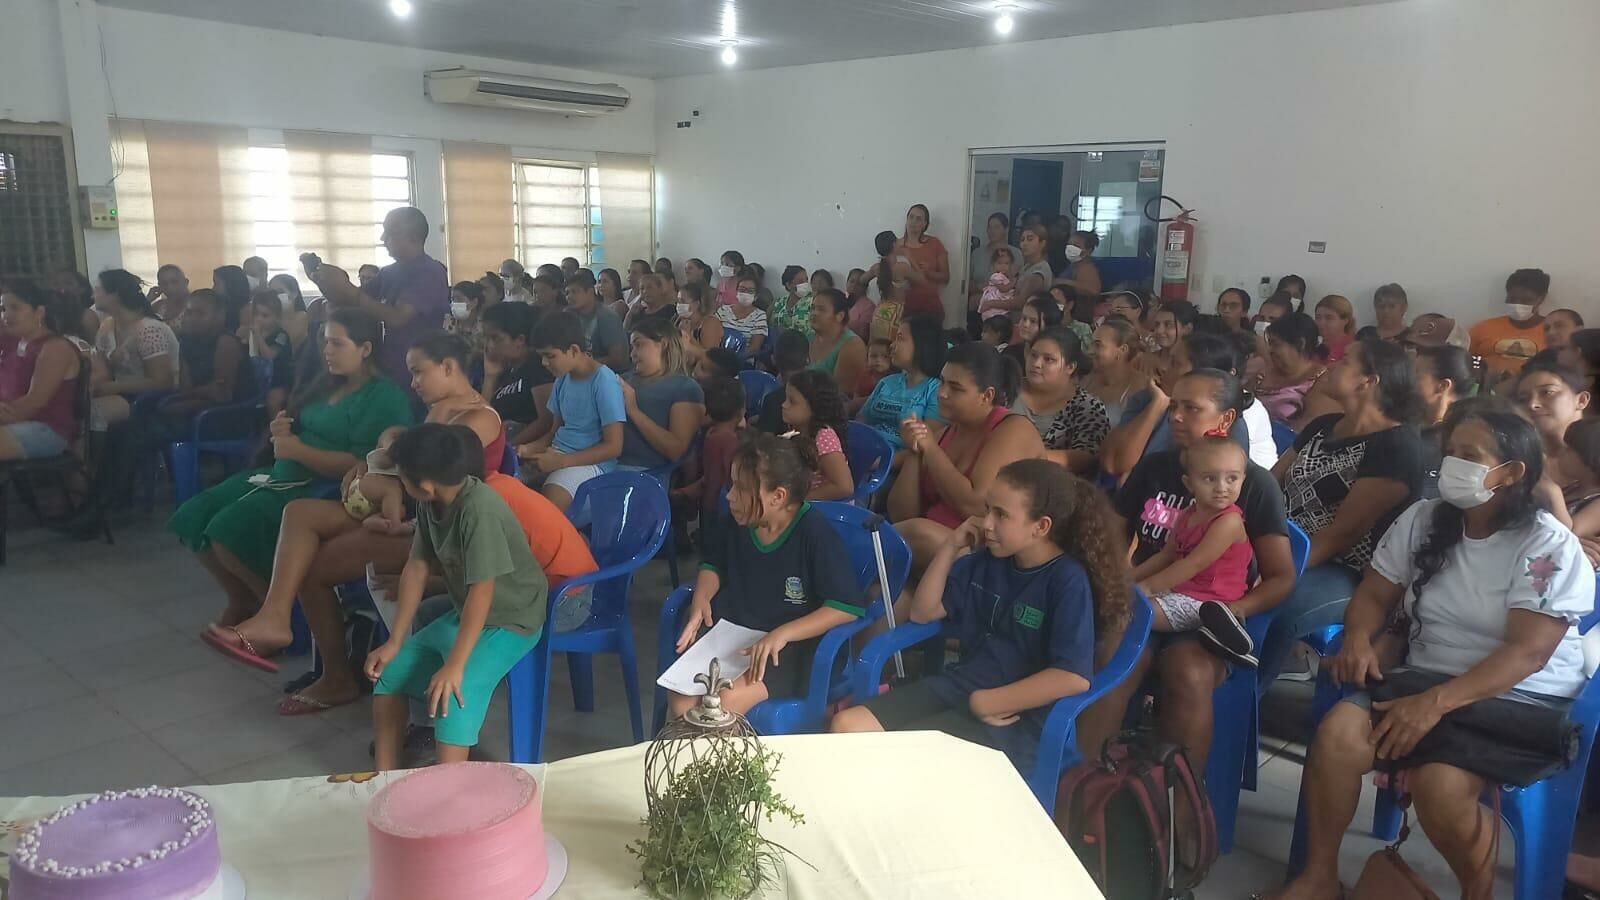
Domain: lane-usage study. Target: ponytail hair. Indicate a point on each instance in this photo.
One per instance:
(990, 370)
(767, 461)
(128, 290)
(1081, 524)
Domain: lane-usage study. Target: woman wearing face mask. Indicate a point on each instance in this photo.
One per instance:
(698, 322)
(1443, 376)
(1292, 366)
(791, 310)
(1071, 421)
(744, 316)
(466, 308)
(1487, 587)
(1389, 305)
(1506, 342)
(1346, 478)
(296, 321)
(928, 264)
(1067, 300)
(728, 274)
(1084, 275)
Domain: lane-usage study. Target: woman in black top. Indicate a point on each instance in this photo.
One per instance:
(1443, 377)
(515, 381)
(1345, 480)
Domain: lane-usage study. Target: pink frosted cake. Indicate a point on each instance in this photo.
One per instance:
(453, 832)
(146, 844)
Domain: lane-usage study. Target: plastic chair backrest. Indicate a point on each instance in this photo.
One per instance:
(870, 458)
(1134, 639)
(1299, 548)
(1282, 435)
(628, 514)
(1589, 621)
(849, 523)
(757, 385)
(508, 461)
(733, 342)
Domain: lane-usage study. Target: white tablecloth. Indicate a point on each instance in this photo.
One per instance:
(910, 814)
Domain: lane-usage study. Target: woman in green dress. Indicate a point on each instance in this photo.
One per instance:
(329, 426)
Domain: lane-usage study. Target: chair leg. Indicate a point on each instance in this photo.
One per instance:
(1542, 817)
(630, 681)
(521, 708)
(185, 471)
(580, 666)
(1386, 816)
(300, 633)
(1225, 764)
(671, 548)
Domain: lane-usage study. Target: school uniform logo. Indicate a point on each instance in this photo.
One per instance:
(793, 590)
(1027, 616)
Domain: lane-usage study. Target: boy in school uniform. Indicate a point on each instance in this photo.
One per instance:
(468, 535)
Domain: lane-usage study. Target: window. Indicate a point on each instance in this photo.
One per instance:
(558, 214)
(348, 228)
(37, 230)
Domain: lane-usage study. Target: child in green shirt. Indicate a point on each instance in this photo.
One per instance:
(466, 534)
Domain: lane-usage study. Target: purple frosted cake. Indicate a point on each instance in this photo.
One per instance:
(145, 844)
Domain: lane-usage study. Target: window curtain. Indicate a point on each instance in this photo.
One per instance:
(183, 197)
(330, 198)
(626, 190)
(479, 208)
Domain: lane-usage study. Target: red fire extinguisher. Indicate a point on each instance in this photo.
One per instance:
(1178, 247)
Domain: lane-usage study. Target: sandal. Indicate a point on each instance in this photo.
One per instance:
(301, 705)
(215, 636)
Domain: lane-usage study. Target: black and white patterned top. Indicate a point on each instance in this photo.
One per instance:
(1080, 425)
(1325, 467)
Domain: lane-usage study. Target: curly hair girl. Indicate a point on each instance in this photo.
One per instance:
(814, 407)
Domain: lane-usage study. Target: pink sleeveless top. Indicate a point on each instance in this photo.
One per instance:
(493, 451)
(16, 377)
(1223, 580)
(932, 501)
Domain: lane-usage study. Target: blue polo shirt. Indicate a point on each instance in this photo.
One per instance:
(1015, 622)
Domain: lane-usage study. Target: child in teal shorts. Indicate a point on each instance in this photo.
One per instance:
(466, 534)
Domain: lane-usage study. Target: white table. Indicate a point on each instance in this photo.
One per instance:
(910, 814)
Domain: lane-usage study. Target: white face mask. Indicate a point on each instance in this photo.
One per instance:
(725, 271)
(254, 281)
(1261, 326)
(1074, 253)
(745, 299)
(803, 289)
(683, 310)
(458, 310)
(1461, 483)
(1519, 311)
(285, 301)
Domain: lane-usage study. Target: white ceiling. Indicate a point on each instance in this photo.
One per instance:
(665, 38)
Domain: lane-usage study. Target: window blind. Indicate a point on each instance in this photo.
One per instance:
(625, 193)
(479, 207)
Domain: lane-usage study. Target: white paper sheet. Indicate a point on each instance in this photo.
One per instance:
(726, 643)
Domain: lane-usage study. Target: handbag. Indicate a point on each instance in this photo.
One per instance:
(1387, 876)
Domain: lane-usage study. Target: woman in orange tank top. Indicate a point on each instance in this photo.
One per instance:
(947, 471)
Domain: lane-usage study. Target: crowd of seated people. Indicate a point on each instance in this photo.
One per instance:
(1092, 432)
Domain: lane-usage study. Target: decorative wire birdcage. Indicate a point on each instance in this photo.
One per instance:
(708, 786)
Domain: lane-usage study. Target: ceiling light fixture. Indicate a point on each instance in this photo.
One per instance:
(729, 55)
(1004, 24)
(401, 8)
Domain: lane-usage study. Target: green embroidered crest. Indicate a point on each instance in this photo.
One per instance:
(1027, 616)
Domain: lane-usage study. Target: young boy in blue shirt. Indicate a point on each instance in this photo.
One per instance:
(1029, 586)
(586, 409)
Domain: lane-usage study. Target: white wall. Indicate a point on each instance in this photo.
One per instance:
(189, 70)
(1438, 143)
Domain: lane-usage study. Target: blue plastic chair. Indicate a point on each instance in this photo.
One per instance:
(757, 385)
(1282, 436)
(733, 342)
(663, 474)
(871, 459)
(235, 448)
(1058, 744)
(1236, 720)
(830, 676)
(1542, 816)
(629, 518)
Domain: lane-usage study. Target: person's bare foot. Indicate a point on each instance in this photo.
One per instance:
(323, 694)
(1304, 888)
(267, 637)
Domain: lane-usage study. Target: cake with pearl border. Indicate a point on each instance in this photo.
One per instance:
(149, 843)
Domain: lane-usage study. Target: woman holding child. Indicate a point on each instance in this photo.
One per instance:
(324, 543)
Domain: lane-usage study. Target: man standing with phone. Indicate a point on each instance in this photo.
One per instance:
(413, 293)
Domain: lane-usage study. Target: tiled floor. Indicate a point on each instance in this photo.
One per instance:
(106, 686)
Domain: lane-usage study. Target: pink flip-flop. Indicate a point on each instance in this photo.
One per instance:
(301, 705)
(244, 651)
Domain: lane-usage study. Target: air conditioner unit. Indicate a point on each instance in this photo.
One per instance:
(570, 98)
